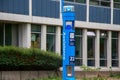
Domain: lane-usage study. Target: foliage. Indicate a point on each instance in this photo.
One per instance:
(14, 58)
(95, 78)
(115, 76)
(57, 78)
(86, 68)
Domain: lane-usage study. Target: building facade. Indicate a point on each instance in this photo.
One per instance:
(38, 24)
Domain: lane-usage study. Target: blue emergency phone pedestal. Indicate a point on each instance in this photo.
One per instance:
(68, 16)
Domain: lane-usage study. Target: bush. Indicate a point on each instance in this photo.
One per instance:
(14, 58)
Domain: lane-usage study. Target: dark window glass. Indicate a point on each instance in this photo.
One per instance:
(1, 34)
(80, 1)
(8, 34)
(100, 2)
(5, 34)
(50, 43)
(105, 4)
(103, 48)
(116, 3)
(61, 41)
(35, 36)
(114, 34)
(116, 0)
(91, 48)
(36, 28)
(78, 31)
(70, 0)
(78, 45)
(94, 2)
(115, 56)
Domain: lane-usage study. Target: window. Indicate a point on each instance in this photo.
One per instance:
(5, 34)
(91, 47)
(100, 2)
(50, 43)
(116, 3)
(78, 46)
(103, 48)
(1, 34)
(61, 40)
(35, 36)
(78, 1)
(70, 0)
(115, 56)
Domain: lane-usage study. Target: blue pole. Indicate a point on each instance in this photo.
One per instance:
(68, 16)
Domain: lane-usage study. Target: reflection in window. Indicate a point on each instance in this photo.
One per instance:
(78, 46)
(70, 0)
(78, 1)
(100, 2)
(91, 48)
(103, 48)
(50, 38)
(115, 56)
(35, 36)
(116, 3)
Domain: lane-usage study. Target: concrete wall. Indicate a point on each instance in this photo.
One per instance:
(30, 75)
(25, 75)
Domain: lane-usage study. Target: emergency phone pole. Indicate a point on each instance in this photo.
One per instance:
(68, 16)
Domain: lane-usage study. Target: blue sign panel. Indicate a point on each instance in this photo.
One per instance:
(68, 43)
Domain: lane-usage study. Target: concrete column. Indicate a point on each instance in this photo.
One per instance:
(112, 6)
(84, 49)
(97, 49)
(43, 37)
(61, 9)
(58, 40)
(119, 48)
(87, 13)
(30, 8)
(109, 50)
(25, 35)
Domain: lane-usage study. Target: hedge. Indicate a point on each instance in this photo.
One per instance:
(14, 58)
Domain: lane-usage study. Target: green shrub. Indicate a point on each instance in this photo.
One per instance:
(14, 58)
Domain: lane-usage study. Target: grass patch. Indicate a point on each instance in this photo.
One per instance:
(115, 76)
(57, 78)
(95, 78)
